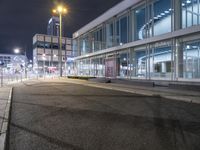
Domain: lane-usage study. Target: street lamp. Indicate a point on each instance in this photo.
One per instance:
(16, 51)
(60, 10)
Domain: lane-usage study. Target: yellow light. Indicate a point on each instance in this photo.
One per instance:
(54, 11)
(60, 9)
(65, 10)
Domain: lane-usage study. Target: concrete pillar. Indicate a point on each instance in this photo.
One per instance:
(177, 15)
(179, 59)
(133, 62)
(147, 64)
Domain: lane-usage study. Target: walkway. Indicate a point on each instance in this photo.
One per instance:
(5, 100)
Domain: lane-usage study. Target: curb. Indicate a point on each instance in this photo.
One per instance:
(116, 89)
(4, 130)
(142, 92)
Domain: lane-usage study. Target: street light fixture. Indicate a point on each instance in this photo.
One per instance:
(16, 51)
(60, 10)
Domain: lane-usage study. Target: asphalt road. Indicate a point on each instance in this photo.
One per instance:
(65, 116)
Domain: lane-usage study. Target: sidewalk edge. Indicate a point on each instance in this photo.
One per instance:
(141, 92)
(4, 130)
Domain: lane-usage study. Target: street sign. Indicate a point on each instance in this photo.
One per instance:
(9, 65)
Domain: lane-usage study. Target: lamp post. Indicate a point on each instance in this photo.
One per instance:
(60, 10)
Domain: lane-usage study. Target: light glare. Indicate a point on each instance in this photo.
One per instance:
(16, 50)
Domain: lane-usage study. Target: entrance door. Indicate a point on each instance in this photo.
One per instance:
(110, 65)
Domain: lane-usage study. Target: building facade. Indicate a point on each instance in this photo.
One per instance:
(13, 63)
(46, 53)
(142, 39)
(53, 27)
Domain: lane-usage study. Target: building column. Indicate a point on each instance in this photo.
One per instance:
(179, 59)
(148, 66)
(177, 15)
(135, 65)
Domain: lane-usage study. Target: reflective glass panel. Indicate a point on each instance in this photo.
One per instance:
(140, 24)
(162, 17)
(140, 63)
(191, 60)
(123, 62)
(160, 61)
(190, 13)
(109, 34)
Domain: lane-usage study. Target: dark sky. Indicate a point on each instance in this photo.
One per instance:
(20, 20)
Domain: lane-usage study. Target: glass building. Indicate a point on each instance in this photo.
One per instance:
(142, 39)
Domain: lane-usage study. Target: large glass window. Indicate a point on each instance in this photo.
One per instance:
(98, 39)
(191, 60)
(123, 64)
(109, 34)
(39, 45)
(139, 60)
(83, 67)
(98, 66)
(140, 24)
(94, 67)
(101, 66)
(153, 19)
(190, 13)
(80, 67)
(85, 45)
(122, 30)
(162, 17)
(160, 60)
(75, 48)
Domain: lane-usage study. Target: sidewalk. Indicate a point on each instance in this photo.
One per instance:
(5, 102)
(165, 92)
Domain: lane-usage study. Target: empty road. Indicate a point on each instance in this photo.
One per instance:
(51, 115)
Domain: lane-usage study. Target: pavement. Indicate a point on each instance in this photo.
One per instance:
(5, 102)
(165, 92)
(64, 114)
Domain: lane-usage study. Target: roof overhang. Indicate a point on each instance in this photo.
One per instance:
(125, 4)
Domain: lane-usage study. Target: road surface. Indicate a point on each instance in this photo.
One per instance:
(65, 116)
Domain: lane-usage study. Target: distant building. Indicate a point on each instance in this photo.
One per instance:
(53, 27)
(46, 53)
(13, 63)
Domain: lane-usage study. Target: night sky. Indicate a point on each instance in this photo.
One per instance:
(20, 20)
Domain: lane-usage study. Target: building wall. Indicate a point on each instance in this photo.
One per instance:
(46, 51)
(154, 39)
(53, 27)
